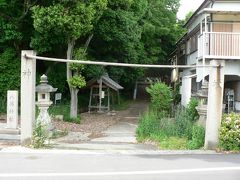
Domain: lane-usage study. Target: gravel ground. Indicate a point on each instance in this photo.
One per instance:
(92, 126)
(90, 123)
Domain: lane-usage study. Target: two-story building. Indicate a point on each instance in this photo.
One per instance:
(213, 33)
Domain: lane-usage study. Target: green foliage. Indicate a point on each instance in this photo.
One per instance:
(94, 71)
(57, 77)
(77, 81)
(230, 132)
(58, 133)
(172, 133)
(185, 119)
(69, 21)
(161, 96)
(148, 124)
(40, 136)
(135, 31)
(63, 21)
(176, 95)
(9, 73)
(183, 124)
(191, 110)
(3, 105)
(198, 137)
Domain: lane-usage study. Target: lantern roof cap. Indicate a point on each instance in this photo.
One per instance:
(44, 87)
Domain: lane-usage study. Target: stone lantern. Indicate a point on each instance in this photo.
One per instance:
(43, 95)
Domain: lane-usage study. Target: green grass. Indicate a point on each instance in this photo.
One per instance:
(58, 133)
(170, 133)
(64, 109)
(173, 143)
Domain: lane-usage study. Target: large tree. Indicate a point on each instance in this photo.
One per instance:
(136, 31)
(64, 22)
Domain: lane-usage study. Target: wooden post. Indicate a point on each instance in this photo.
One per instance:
(135, 91)
(100, 95)
(108, 99)
(28, 82)
(90, 100)
(118, 97)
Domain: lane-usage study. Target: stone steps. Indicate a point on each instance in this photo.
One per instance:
(7, 134)
(9, 137)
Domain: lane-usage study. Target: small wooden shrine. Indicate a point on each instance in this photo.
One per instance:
(100, 93)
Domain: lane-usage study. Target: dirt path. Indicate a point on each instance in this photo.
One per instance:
(124, 131)
(120, 134)
(120, 127)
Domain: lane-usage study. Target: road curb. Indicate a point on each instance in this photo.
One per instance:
(20, 149)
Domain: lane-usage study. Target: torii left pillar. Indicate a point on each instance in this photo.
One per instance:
(28, 82)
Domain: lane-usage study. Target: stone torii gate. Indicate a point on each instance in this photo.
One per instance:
(28, 82)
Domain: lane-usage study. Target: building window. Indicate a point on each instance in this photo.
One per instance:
(193, 43)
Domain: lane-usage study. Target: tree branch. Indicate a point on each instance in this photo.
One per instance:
(87, 43)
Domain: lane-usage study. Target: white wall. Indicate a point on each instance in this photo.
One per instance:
(192, 58)
(232, 67)
(227, 5)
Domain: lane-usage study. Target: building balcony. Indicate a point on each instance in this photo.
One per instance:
(219, 45)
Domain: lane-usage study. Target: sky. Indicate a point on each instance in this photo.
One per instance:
(188, 5)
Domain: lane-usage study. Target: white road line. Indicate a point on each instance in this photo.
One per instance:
(123, 173)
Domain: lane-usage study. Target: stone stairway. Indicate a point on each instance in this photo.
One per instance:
(9, 135)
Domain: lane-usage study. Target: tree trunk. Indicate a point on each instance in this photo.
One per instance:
(74, 103)
(73, 91)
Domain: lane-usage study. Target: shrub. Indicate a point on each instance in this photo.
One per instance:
(191, 111)
(185, 119)
(40, 136)
(161, 97)
(198, 136)
(183, 124)
(230, 132)
(167, 126)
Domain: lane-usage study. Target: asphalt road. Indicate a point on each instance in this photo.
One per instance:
(68, 166)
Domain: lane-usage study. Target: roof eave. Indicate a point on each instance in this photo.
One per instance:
(195, 14)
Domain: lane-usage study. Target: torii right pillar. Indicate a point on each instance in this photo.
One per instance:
(215, 102)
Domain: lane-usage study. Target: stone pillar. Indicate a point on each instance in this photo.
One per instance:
(12, 109)
(28, 82)
(186, 90)
(215, 101)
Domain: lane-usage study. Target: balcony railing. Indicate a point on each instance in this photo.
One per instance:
(219, 44)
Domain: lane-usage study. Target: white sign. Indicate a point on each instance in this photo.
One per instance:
(58, 97)
(103, 94)
(12, 109)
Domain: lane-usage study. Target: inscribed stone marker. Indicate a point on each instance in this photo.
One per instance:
(12, 109)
